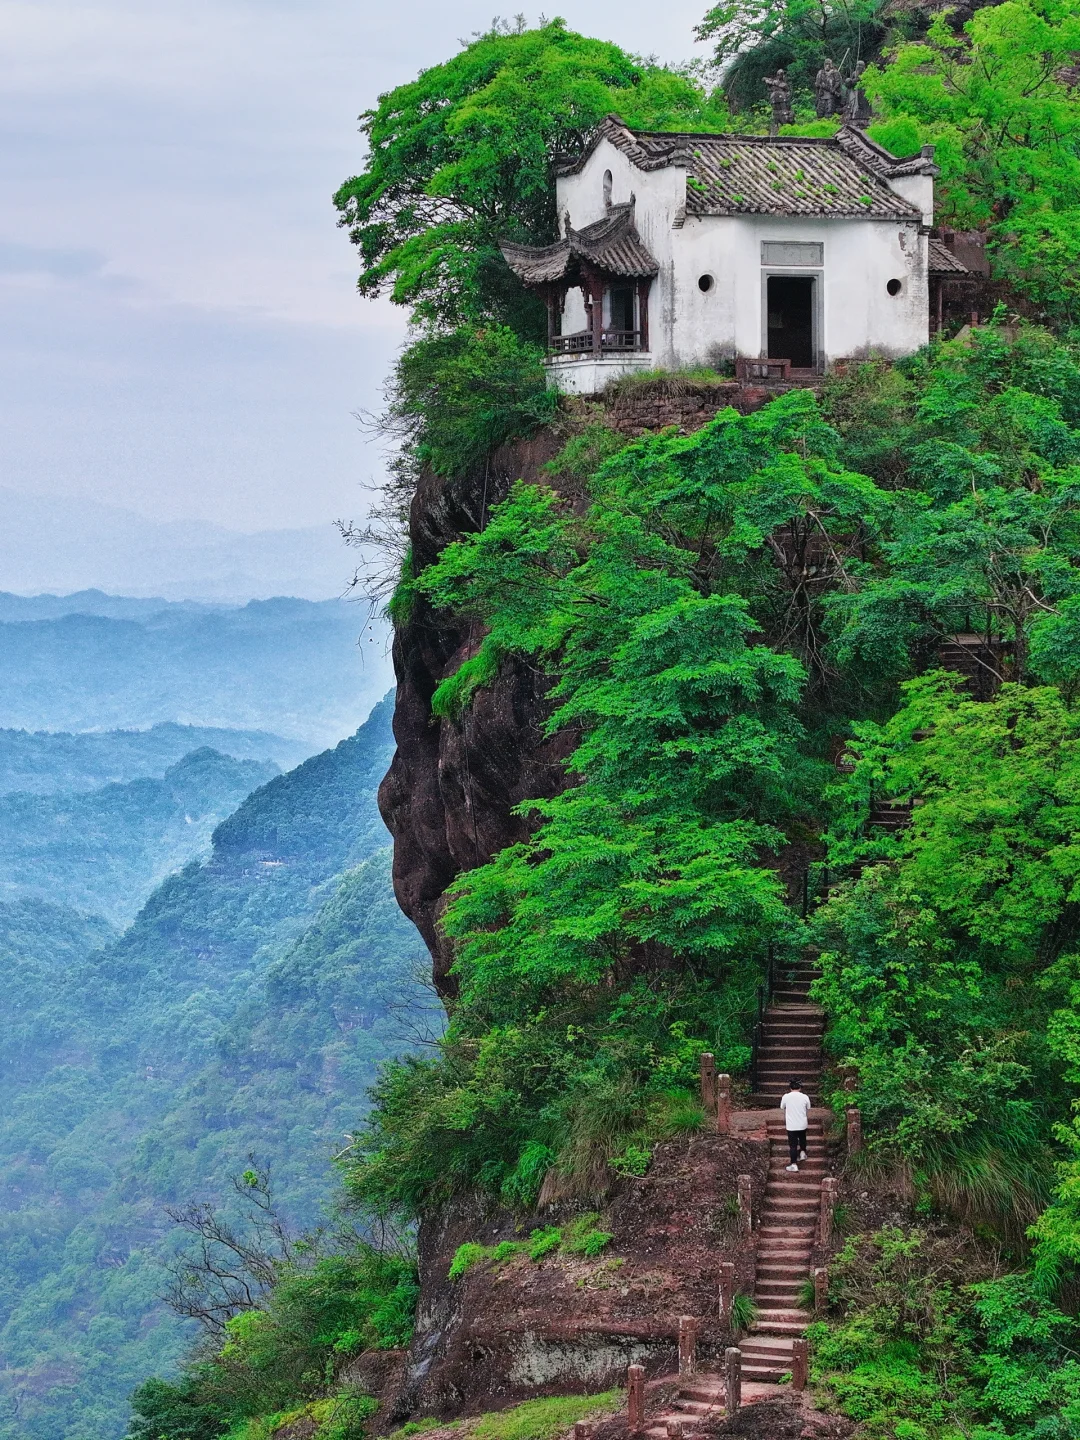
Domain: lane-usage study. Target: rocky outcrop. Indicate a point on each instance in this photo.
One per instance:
(570, 1323)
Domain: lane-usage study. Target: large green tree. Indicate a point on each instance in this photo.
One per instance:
(461, 157)
(999, 102)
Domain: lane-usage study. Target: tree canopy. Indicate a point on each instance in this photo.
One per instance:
(460, 158)
(998, 103)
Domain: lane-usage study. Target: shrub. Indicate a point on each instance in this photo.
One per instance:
(457, 397)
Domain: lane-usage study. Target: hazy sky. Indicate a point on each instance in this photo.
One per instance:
(179, 333)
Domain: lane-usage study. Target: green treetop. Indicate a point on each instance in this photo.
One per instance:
(460, 158)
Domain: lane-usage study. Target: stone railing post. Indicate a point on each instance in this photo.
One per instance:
(723, 1104)
(828, 1205)
(854, 1129)
(688, 1328)
(746, 1213)
(821, 1289)
(635, 1398)
(732, 1379)
(707, 1064)
(727, 1290)
(800, 1363)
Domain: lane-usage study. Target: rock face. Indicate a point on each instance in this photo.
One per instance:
(452, 786)
(449, 795)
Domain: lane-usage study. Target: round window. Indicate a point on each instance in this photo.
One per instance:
(705, 282)
(894, 287)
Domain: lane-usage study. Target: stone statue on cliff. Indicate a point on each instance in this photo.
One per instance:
(857, 110)
(828, 90)
(780, 98)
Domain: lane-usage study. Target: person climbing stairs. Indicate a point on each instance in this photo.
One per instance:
(790, 1048)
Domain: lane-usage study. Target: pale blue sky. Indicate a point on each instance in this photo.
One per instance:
(179, 334)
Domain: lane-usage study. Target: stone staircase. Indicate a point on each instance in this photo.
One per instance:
(699, 1397)
(790, 1047)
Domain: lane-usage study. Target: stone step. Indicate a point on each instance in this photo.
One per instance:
(772, 1326)
(772, 1065)
(780, 1054)
(789, 1052)
(770, 1069)
(765, 1345)
(705, 1389)
(791, 1023)
(776, 1128)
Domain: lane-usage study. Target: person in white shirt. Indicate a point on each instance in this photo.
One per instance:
(796, 1107)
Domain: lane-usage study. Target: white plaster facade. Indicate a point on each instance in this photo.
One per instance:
(708, 302)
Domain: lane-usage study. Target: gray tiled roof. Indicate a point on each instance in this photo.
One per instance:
(783, 175)
(943, 261)
(611, 245)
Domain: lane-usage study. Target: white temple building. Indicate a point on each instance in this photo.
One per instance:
(783, 254)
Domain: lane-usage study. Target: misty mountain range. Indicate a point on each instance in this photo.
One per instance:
(70, 543)
(300, 668)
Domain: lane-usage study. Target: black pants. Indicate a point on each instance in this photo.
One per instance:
(796, 1140)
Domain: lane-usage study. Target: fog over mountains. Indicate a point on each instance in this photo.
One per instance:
(301, 669)
(67, 543)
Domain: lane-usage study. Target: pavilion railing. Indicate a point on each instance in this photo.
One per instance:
(583, 342)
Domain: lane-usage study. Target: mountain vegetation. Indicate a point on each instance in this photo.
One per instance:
(235, 1024)
(104, 850)
(722, 617)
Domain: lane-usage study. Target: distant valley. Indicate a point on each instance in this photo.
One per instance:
(302, 669)
(201, 957)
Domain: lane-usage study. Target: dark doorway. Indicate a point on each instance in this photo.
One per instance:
(622, 310)
(791, 319)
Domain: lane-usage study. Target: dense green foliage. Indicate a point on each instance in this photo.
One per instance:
(919, 1349)
(458, 396)
(242, 1013)
(997, 104)
(277, 1361)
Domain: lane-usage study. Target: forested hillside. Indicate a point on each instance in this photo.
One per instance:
(241, 1015)
(680, 712)
(104, 851)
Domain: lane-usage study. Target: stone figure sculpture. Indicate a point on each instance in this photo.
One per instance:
(780, 97)
(829, 90)
(857, 110)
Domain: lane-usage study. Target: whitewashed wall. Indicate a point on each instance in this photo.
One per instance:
(689, 327)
